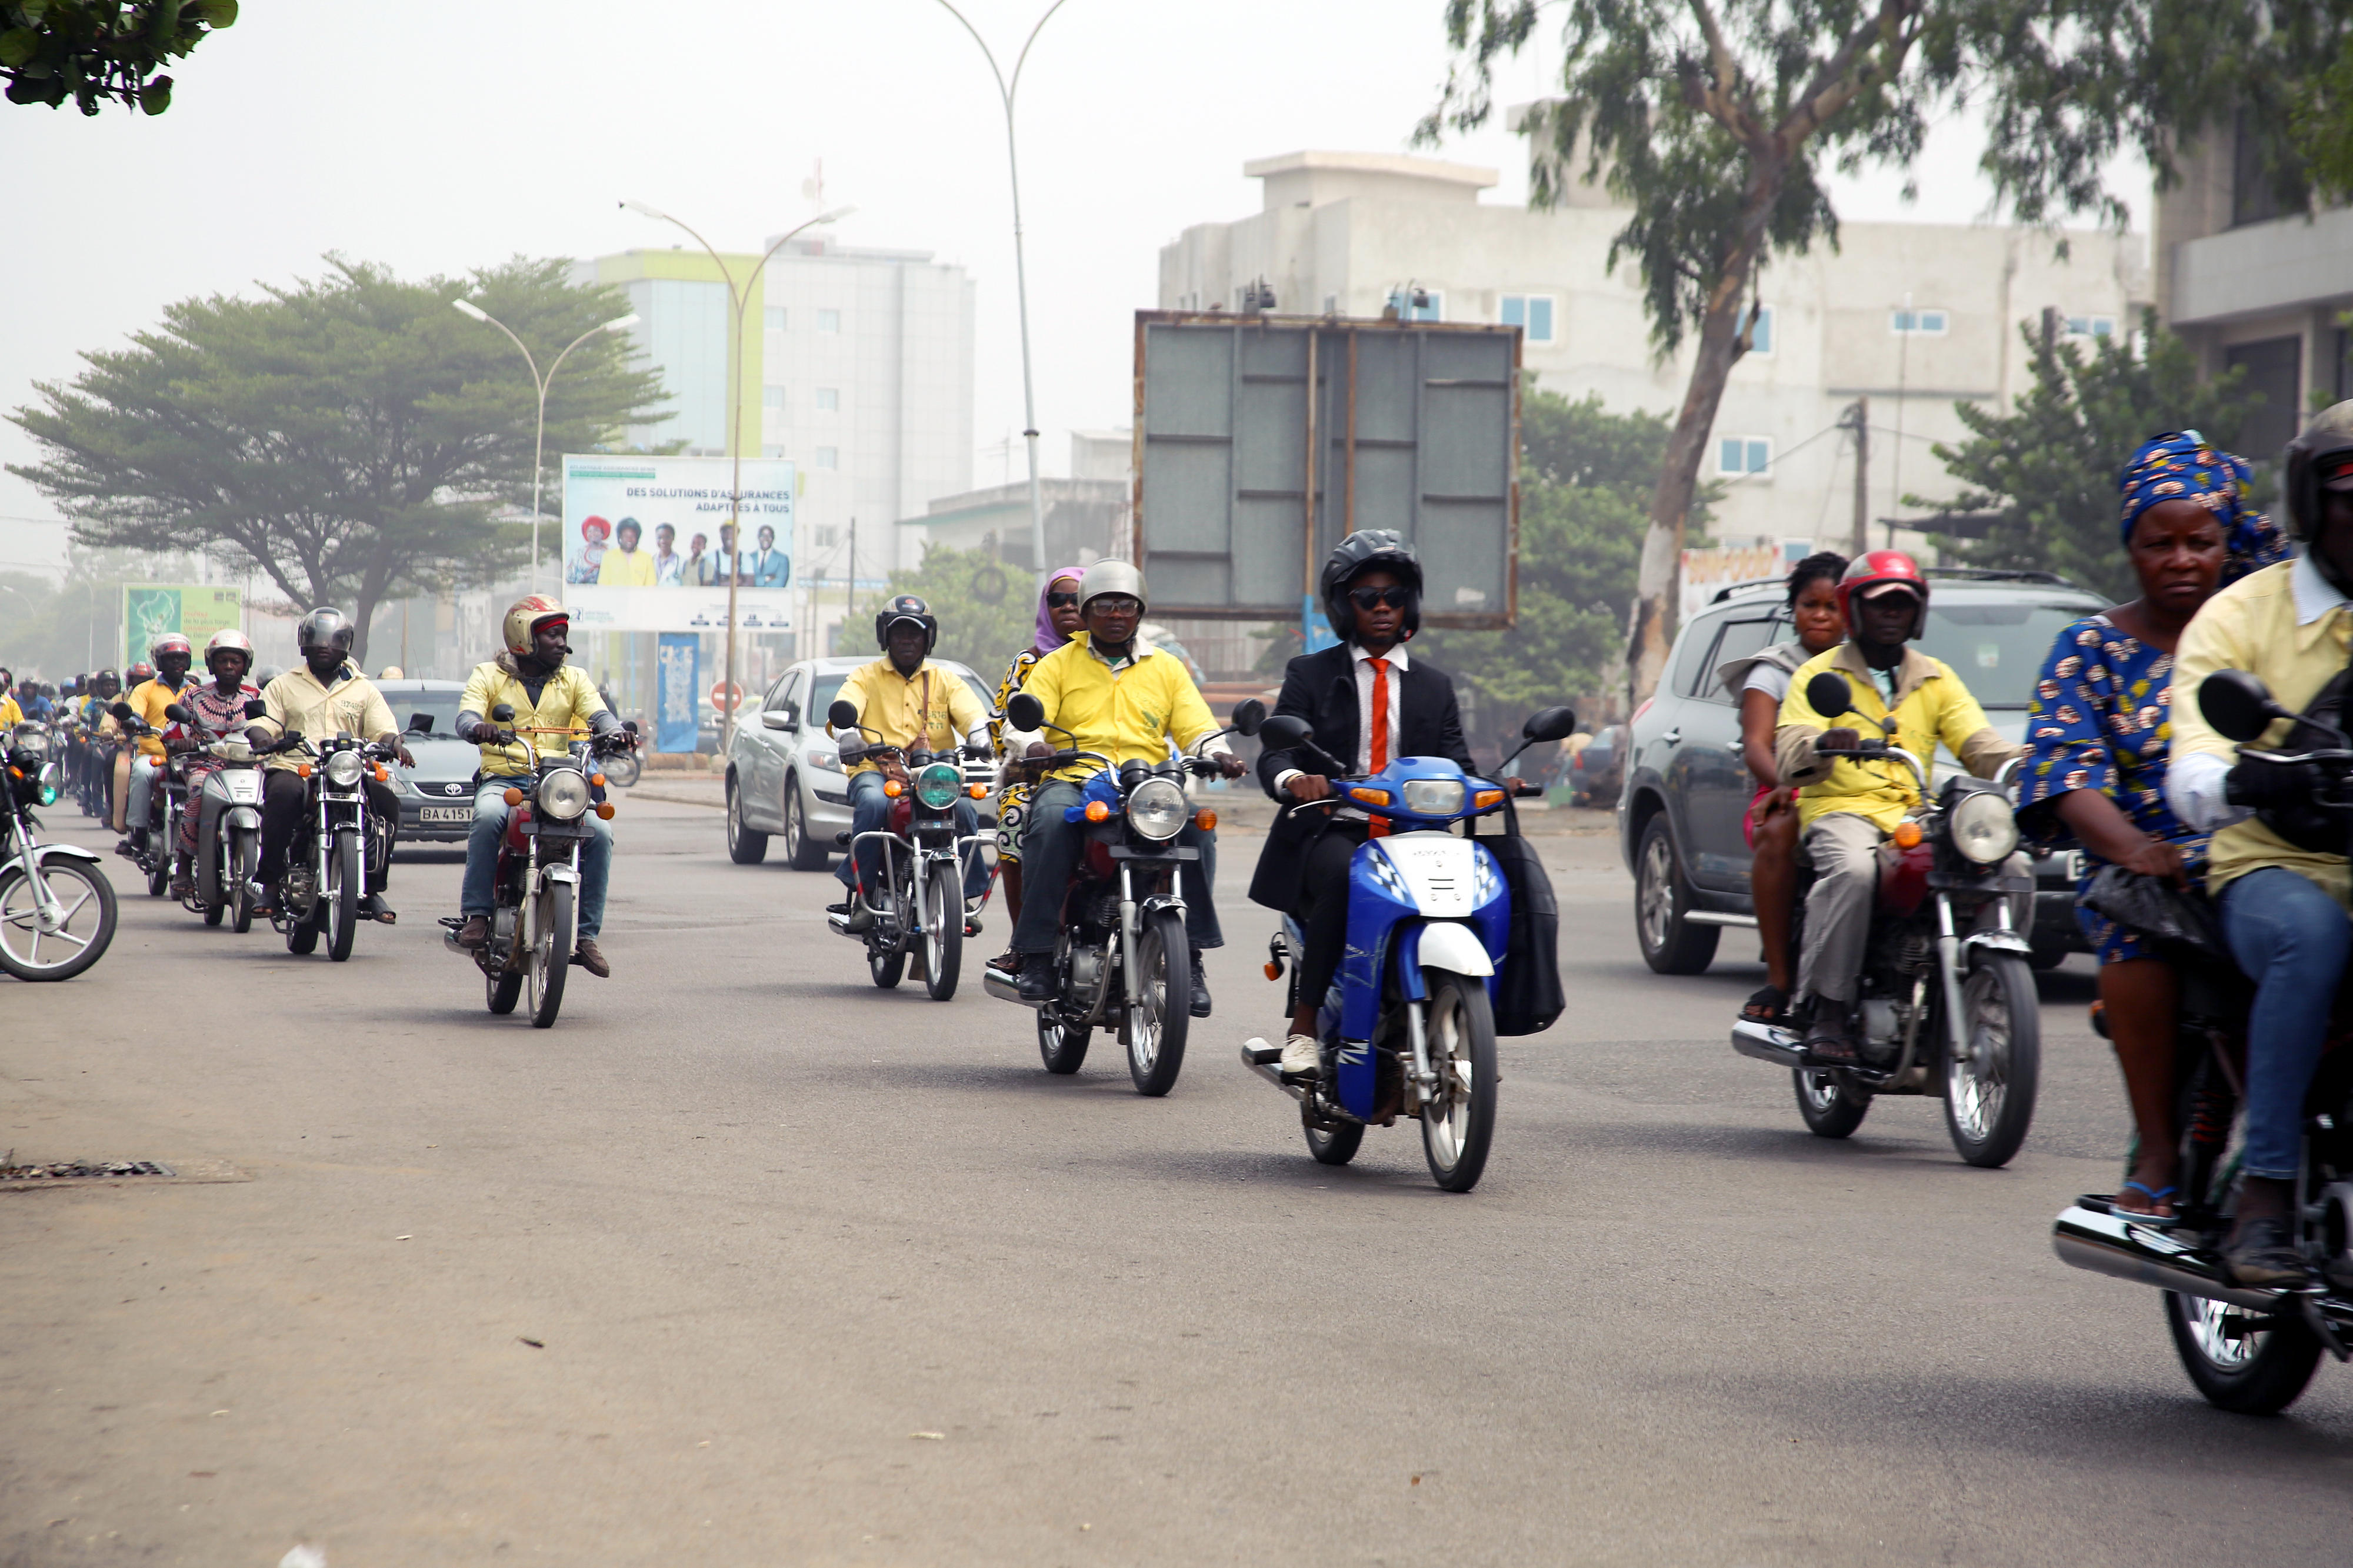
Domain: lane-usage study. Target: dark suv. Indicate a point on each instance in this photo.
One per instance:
(1686, 787)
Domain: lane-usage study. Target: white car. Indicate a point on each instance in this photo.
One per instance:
(784, 771)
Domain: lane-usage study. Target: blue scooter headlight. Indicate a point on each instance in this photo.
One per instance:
(1434, 797)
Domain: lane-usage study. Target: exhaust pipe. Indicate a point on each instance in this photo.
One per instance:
(1004, 987)
(2086, 1239)
(1782, 1048)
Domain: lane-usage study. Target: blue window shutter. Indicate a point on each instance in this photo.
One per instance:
(1540, 320)
(1516, 311)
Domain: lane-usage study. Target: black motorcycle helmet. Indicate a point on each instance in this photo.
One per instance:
(1358, 553)
(906, 608)
(2319, 458)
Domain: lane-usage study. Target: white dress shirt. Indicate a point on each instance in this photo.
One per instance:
(1397, 661)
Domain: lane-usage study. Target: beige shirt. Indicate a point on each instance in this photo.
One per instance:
(296, 701)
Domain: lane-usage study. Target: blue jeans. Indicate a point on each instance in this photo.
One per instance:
(1049, 858)
(2292, 938)
(870, 812)
(480, 896)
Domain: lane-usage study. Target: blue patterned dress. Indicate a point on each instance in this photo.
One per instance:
(2101, 720)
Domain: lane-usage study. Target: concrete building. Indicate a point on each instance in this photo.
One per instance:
(2247, 285)
(1086, 514)
(1913, 317)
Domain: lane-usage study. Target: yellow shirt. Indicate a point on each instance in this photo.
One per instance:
(2252, 625)
(566, 702)
(1128, 713)
(1931, 705)
(10, 713)
(626, 569)
(299, 701)
(932, 703)
(148, 700)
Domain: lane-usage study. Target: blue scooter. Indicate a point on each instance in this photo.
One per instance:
(1409, 1025)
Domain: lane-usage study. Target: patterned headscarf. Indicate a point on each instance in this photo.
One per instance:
(1048, 639)
(2179, 465)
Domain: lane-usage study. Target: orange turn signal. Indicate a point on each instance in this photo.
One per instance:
(1207, 821)
(605, 809)
(596, 779)
(301, 770)
(1369, 797)
(1485, 798)
(1906, 835)
(1273, 969)
(1098, 812)
(514, 797)
(893, 788)
(977, 792)
(382, 776)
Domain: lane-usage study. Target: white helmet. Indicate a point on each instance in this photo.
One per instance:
(231, 640)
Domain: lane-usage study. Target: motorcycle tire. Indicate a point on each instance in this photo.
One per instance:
(29, 954)
(502, 989)
(2254, 1372)
(214, 912)
(1671, 944)
(1458, 1128)
(551, 955)
(1061, 1047)
(339, 902)
(621, 770)
(243, 854)
(887, 967)
(745, 846)
(1829, 1105)
(944, 943)
(1159, 1005)
(303, 930)
(1337, 1146)
(159, 875)
(802, 853)
(1989, 1096)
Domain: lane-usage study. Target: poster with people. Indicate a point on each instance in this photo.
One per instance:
(647, 547)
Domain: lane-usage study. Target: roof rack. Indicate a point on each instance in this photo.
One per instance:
(1956, 573)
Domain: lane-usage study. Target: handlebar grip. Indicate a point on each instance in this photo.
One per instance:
(1529, 792)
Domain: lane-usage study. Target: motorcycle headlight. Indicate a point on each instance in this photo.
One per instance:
(233, 751)
(344, 769)
(1156, 808)
(1984, 829)
(1433, 797)
(562, 795)
(939, 785)
(48, 783)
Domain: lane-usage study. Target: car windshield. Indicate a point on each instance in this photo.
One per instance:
(826, 689)
(409, 699)
(1997, 647)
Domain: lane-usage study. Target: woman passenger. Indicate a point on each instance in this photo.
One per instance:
(1057, 619)
(2097, 737)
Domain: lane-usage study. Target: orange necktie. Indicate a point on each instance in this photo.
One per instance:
(1380, 751)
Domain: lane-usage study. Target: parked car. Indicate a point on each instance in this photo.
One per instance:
(784, 771)
(1687, 788)
(437, 795)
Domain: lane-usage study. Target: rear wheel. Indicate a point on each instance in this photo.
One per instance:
(1061, 1047)
(2240, 1361)
(340, 903)
(745, 846)
(1335, 1146)
(1457, 1120)
(551, 953)
(502, 992)
(944, 940)
(887, 965)
(1671, 943)
(159, 871)
(1990, 1088)
(1159, 1004)
(1831, 1107)
(801, 852)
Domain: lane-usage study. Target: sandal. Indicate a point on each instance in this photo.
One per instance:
(1770, 1004)
(2147, 1216)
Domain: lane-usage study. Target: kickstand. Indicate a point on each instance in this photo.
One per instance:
(2317, 1321)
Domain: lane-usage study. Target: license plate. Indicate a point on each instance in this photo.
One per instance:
(445, 814)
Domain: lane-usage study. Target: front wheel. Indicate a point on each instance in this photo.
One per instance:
(621, 770)
(1990, 1087)
(551, 953)
(943, 938)
(2240, 1361)
(339, 902)
(1159, 1004)
(1831, 1106)
(745, 846)
(243, 854)
(1458, 1119)
(81, 903)
(1671, 942)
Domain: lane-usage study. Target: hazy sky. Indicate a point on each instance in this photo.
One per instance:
(439, 137)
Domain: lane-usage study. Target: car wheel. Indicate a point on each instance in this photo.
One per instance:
(801, 852)
(1671, 943)
(745, 846)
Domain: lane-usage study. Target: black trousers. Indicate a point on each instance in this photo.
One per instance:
(1323, 908)
(282, 797)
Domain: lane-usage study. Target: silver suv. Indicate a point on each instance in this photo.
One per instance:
(784, 771)
(1687, 787)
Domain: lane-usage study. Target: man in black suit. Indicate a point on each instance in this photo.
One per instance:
(1368, 703)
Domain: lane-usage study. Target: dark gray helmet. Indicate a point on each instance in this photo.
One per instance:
(906, 608)
(325, 626)
(2320, 458)
(1360, 553)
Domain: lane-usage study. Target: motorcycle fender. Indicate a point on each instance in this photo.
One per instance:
(1997, 942)
(559, 874)
(245, 817)
(1441, 944)
(48, 852)
(1153, 906)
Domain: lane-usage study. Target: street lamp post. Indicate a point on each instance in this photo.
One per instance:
(1005, 90)
(738, 298)
(539, 442)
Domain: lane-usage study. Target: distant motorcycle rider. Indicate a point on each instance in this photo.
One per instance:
(219, 706)
(173, 654)
(532, 678)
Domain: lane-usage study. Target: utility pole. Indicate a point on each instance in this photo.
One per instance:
(850, 588)
(1860, 413)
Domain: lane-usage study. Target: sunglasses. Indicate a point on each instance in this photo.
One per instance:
(1117, 604)
(1373, 598)
(1061, 600)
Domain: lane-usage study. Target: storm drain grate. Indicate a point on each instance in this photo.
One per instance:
(82, 1170)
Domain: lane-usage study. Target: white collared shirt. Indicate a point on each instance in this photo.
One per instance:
(2196, 783)
(1362, 662)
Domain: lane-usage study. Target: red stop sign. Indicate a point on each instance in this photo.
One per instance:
(725, 695)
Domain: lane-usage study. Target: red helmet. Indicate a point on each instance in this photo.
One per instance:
(1875, 567)
(171, 642)
(138, 672)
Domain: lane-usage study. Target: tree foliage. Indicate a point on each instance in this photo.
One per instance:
(2050, 465)
(988, 612)
(98, 52)
(349, 437)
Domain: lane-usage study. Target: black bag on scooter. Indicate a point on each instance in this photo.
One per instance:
(1529, 994)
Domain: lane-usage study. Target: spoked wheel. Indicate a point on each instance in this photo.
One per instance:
(745, 846)
(622, 769)
(2240, 1361)
(339, 903)
(80, 904)
(1831, 1107)
(551, 953)
(1061, 1047)
(1989, 1090)
(242, 854)
(1159, 1004)
(1457, 1120)
(944, 942)
(801, 852)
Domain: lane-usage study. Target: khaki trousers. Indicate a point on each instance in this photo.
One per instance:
(1843, 850)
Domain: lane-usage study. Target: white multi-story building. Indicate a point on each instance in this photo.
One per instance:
(1912, 318)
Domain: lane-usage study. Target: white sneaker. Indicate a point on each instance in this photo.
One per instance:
(1301, 1058)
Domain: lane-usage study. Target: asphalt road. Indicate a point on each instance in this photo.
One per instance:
(747, 1263)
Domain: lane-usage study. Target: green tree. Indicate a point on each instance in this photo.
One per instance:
(2050, 465)
(986, 612)
(1713, 120)
(102, 51)
(349, 437)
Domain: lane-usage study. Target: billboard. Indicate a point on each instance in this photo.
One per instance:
(644, 545)
(1708, 572)
(1262, 440)
(194, 610)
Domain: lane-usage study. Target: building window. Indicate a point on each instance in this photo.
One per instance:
(1331, 304)
(1745, 457)
(2090, 326)
(829, 399)
(1530, 313)
(1418, 304)
(1762, 343)
(829, 457)
(829, 321)
(772, 453)
(775, 318)
(824, 537)
(772, 398)
(2273, 367)
(1917, 323)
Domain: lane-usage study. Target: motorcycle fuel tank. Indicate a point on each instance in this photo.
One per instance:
(1904, 877)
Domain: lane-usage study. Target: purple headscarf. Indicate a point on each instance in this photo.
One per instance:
(2181, 465)
(1048, 639)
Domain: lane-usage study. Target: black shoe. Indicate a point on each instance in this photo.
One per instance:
(1830, 1041)
(1200, 987)
(1037, 979)
(2260, 1256)
(856, 916)
(373, 908)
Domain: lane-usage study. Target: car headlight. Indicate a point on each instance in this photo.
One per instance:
(1984, 829)
(939, 785)
(562, 795)
(822, 761)
(1156, 808)
(344, 769)
(1433, 797)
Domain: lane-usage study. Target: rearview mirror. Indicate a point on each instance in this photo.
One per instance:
(178, 713)
(1550, 725)
(1025, 712)
(255, 708)
(843, 714)
(630, 726)
(2239, 706)
(1284, 729)
(778, 719)
(503, 713)
(121, 710)
(420, 724)
(1249, 716)
(1828, 695)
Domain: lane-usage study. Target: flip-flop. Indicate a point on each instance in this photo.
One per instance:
(1774, 1000)
(2155, 1195)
